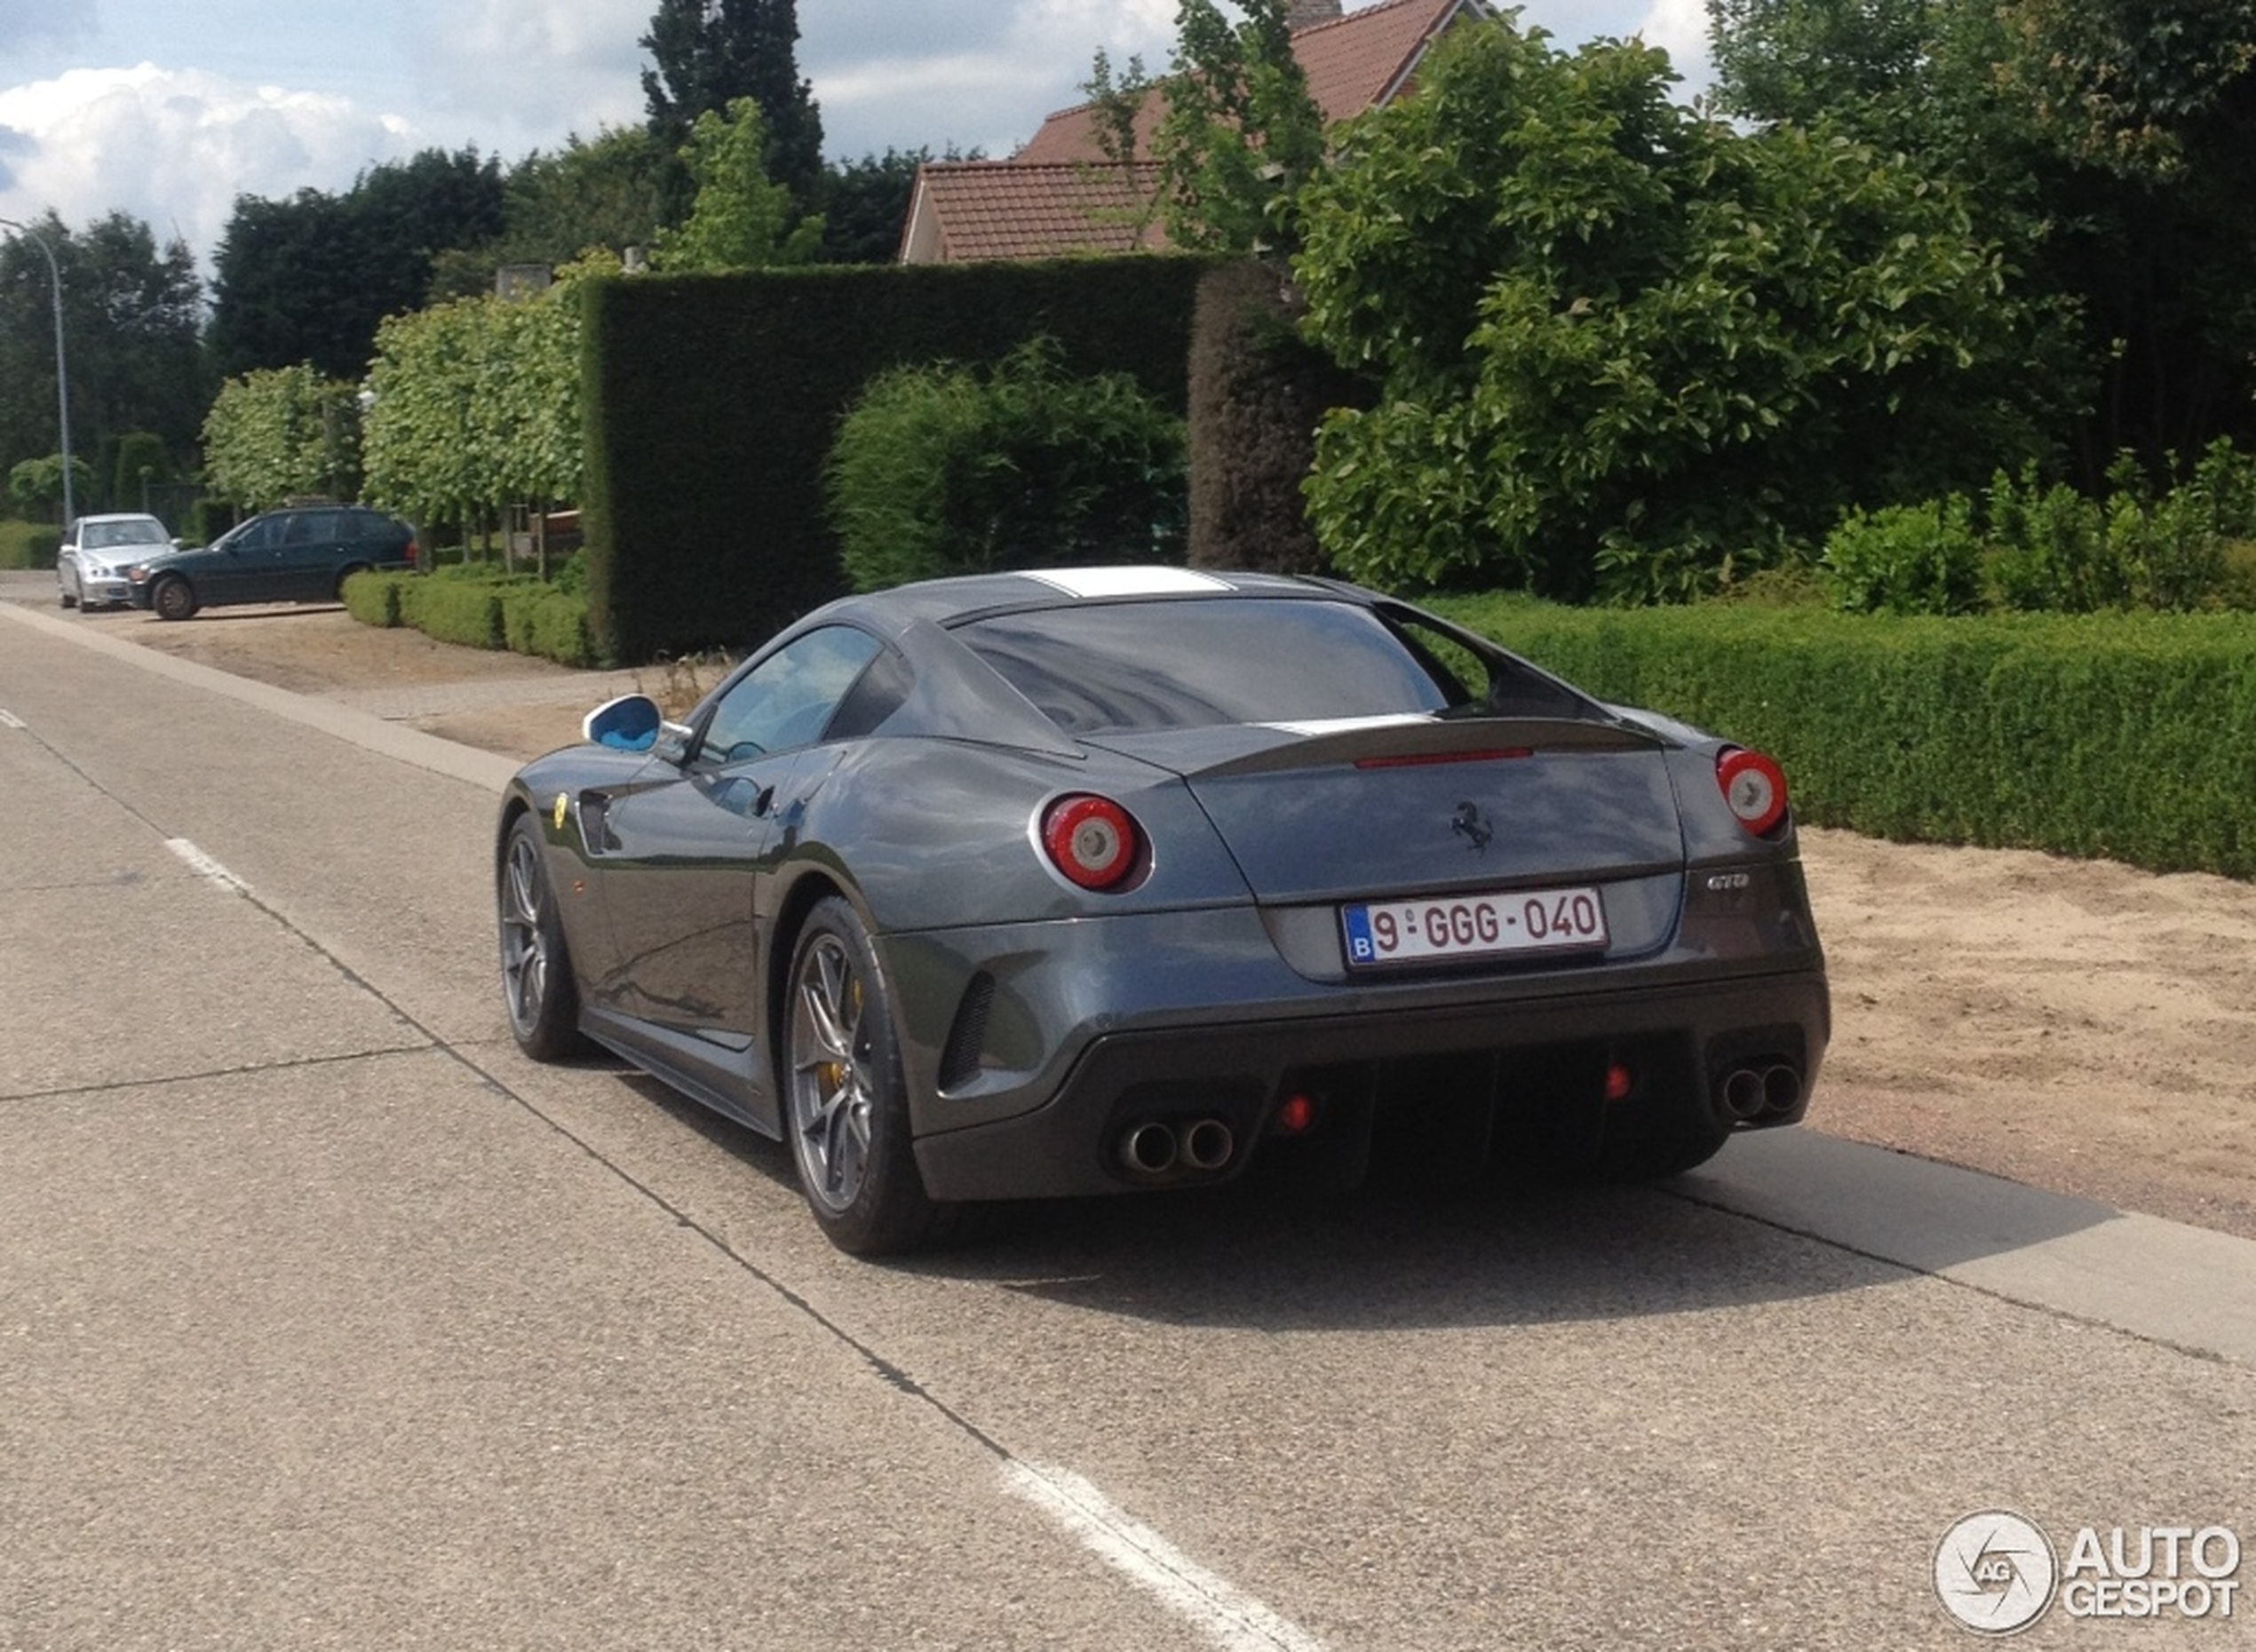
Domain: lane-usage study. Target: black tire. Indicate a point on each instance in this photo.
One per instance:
(844, 1104)
(174, 598)
(65, 598)
(538, 991)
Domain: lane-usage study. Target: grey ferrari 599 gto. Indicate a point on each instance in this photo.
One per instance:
(1109, 880)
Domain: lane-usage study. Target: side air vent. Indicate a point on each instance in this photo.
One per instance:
(967, 1037)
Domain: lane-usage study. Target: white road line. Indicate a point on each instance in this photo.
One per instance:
(1226, 1614)
(204, 866)
(12, 720)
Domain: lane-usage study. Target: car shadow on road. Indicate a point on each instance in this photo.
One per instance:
(1387, 1258)
(1399, 1252)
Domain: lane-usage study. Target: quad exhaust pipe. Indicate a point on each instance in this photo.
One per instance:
(1207, 1145)
(1750, 1094)
(1148, 1149)
(1153, 1148)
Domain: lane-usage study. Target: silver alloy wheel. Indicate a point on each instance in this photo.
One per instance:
(524, 943)
(832, 1088)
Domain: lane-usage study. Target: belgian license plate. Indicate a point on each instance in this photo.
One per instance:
(1473, 926)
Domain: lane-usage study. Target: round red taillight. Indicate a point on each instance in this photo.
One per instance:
(1754, 787)
(1091, 840)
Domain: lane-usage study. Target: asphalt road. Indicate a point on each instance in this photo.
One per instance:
(328, 1321)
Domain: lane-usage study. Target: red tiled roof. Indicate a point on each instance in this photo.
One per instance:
(1362, 59)
(1352, 63)
(980, 209)
(1059, 193)
(1071, 134)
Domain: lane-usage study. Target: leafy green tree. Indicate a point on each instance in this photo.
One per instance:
(1862, 63)
(1241, 133)
(36, 484)
(608, 193)
(1622, 350)
(2155, 88)
(707, 53)
(132, 324)
(476, 404)
(945, 470)
(141, 460)
(275, 433)
(2103, 142)
(866, 201)
(741, 220)
(1238, 131)
(308, 279)
(605, 192)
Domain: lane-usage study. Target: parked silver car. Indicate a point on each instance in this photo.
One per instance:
(90, 569)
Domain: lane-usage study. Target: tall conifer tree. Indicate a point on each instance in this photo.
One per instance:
(709, 52)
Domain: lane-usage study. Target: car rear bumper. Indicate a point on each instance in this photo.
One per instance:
(1464, 1069)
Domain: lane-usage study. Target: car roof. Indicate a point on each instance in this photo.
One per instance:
(948, 601)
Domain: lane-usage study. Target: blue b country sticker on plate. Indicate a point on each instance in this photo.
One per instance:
(1360, 948)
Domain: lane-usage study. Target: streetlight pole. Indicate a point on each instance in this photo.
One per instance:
(62, 365)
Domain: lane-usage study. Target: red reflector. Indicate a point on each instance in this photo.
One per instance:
(1619, 1082)
(1091, 840)
(1433, 758)
(1295, 1115)
(1754, 786)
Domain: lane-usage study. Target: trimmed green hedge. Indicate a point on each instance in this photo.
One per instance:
(2129, 737)
(477, 608)
(26, 545)
(374, 599)
(712, 402)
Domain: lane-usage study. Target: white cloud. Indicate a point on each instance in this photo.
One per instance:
(175, 147)
(538, 69)
(1680, 27)
(966, 72)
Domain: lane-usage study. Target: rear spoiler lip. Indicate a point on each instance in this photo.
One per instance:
(1467, 737)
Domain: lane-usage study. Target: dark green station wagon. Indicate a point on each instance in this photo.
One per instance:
(303, 554)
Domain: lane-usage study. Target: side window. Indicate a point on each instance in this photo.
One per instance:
(261, 535)
(789, 698)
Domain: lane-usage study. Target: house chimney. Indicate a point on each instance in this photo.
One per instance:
(1309, 14)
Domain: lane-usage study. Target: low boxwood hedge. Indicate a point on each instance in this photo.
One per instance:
(2131, 737)
(477, 608)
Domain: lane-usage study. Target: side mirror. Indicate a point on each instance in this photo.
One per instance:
(629, 723)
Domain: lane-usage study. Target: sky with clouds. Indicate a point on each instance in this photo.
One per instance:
(169, 109)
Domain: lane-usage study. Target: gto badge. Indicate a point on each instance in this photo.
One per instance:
(563, 808)
(1470, 824)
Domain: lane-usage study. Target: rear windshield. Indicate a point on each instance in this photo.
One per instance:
(1106, 668)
